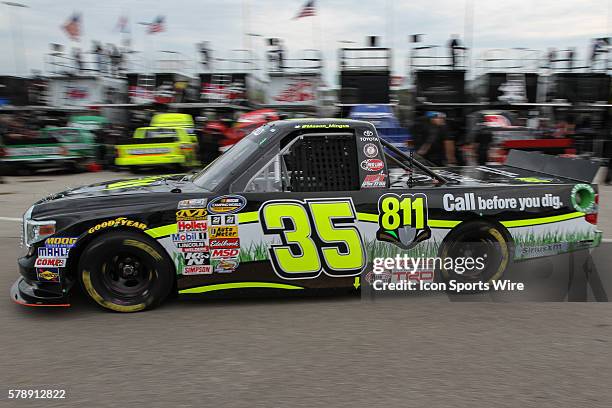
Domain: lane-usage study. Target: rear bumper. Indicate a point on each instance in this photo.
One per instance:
(150, 161)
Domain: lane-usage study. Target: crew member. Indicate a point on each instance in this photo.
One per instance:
(438, 146)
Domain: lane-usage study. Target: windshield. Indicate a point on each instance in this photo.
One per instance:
(224, 166)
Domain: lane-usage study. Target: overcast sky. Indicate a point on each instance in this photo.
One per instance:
(538, 24)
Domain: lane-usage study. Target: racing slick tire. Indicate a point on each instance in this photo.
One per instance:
(125, 271)
(476, 239)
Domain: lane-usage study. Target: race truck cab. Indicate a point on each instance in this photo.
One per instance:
(297, 206)
(158, 147)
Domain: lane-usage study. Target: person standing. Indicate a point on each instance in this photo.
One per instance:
(438, 146)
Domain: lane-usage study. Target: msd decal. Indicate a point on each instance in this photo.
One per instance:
(224, 253)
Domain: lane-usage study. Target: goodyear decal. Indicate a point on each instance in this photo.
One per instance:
(117, 222)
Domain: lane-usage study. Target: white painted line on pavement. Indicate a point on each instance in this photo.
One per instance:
(10, 219)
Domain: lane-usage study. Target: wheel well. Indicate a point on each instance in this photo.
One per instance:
(77, 250)
(489, 220)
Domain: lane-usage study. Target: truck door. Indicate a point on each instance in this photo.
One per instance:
(307, 199)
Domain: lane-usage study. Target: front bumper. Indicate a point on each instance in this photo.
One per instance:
(29, 291)
(30, 294)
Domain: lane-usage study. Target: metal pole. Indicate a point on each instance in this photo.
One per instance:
(17, 35)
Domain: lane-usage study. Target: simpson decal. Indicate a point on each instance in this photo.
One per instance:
(197, 270)
(227, 204)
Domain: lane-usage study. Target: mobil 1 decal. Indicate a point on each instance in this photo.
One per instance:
(402, 219)
(313, 236)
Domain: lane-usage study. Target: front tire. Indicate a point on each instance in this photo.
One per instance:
(126, 272)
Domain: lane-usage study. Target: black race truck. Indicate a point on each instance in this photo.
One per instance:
(296, 206)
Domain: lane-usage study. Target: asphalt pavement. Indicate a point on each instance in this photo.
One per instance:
(312, 352)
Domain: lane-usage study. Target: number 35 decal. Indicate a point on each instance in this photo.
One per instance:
(317, 235)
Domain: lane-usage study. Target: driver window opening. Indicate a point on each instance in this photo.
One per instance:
(316, 162)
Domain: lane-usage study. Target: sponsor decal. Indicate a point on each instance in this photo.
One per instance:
(195, 249)
(368, 139)
(197, 270)
(53, 252)
(402, 219)
(370, 150)
(197, 258)
(50, 262)
(372, 165)
(189, 237)
(227, 204)
(151, 151)
(374, 181)
(473, 202)
(368, 133)
(48, 274)
(193, 203)
(224, 253)
(225, 265)
(60, 242)
(191, 226)
(224, 243)
(223, 231)
(118, 222)
(193, 214)
(583, 198)
(229, 219)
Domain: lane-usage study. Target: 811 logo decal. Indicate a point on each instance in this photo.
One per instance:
(402, 220)
(317, 235)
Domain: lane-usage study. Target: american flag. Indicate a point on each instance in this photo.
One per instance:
(308, 10)
(72, 27)
(157, 26)
(123, 25)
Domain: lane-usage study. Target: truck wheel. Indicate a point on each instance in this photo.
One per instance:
(126, 272)
(481, 241)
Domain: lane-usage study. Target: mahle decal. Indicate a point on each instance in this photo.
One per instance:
(402, 220)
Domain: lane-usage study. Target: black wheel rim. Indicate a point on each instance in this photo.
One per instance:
(126, 277)
(475, 245)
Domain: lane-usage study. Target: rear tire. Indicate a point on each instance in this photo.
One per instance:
(126, 272)
(477, 239)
